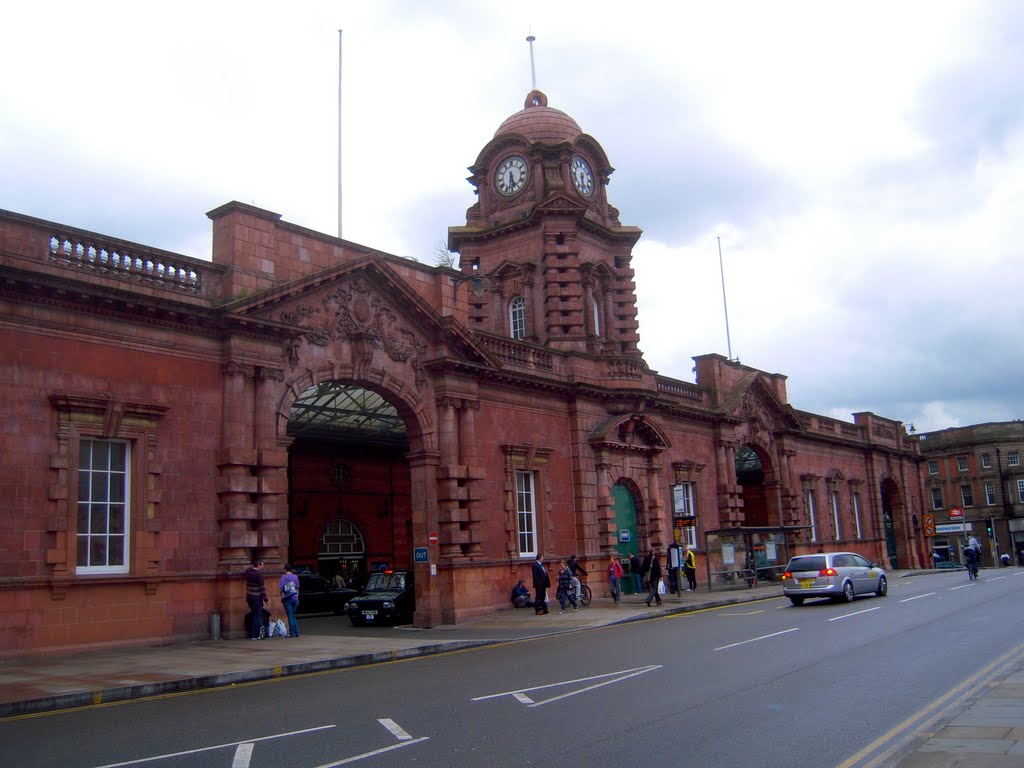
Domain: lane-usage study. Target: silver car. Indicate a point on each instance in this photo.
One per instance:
(838, 575)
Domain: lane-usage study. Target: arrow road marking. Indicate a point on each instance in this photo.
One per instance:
(404, 740)
(607, 679)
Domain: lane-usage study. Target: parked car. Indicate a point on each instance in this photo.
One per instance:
(319, 595)
(387, 598)
(837, 575)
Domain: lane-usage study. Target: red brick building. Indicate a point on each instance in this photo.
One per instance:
(305, 398)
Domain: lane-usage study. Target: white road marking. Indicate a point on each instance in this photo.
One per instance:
(917, 597)
(243, 754)
(1019, 573)
(755, 639)
(995, 578)
(962, 586)
(396, 730)
(744, 613)
(375, 752)
(855, 613)
(607, 679)
(215, 746)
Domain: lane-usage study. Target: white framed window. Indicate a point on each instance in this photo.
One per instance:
(103, 513)
(833, 501)
(937, 498)
(966, 496)
(856, 515)
(933, 467)
(597, 318)
(526, 513)
(809, 504)
(961, 463)
(986, 461)
(517, 317)
(1020, 491)
(990, 494)
(1013, 458)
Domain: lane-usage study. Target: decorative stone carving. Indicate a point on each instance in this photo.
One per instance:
(354, 314)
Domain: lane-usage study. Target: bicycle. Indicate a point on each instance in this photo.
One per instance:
(972, 570)
(583, 593)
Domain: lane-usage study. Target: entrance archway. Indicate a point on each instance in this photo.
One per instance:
(750, 475)
(891, 503)
(349, 486)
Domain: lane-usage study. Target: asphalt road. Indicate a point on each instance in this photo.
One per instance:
(759, 684)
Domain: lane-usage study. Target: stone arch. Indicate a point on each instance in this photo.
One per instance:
(893, 528)
(757, 476)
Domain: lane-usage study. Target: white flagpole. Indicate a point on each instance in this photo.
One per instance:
(339, 134)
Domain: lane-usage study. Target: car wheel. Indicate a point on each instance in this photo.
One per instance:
(883, 587)
(357, 621)
(848, 593)
(796, 600)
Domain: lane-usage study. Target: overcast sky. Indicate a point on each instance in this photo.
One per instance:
(861, 163)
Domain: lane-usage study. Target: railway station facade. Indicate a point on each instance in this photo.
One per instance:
(302, 398)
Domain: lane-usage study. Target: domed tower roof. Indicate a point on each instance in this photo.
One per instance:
(539, 123)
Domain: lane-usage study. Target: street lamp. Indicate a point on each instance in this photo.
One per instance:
(476, 284)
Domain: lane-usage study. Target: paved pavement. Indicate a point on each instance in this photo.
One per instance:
(982, 730)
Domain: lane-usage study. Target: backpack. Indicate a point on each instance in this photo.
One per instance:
(290, 589)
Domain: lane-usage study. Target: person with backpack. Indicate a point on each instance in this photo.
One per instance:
(289, 586)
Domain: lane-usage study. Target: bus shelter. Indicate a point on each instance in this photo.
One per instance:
(741, 558)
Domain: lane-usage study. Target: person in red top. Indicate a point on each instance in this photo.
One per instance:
(614, 577)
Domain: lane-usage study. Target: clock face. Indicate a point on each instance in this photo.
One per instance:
(582, 176)
(511, 175)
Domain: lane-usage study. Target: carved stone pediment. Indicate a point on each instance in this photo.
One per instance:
(635, 431)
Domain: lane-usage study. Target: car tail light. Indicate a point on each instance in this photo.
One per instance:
(787, 575)
(827, 572)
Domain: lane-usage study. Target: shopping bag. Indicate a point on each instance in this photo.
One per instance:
(661, 586)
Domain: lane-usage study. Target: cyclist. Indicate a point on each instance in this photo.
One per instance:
(971, 561)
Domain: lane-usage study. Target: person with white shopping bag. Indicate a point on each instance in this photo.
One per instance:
(657, 585)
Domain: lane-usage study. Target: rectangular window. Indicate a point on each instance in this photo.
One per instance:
(856, 514)
(103, 513)
(961, 463)
(986, 461)
(526, 510)
(990, 494)
(809, 504)
(1020, 491)
(966, 496)
(833, 500)
(1013, 458)
(937, 498)
(933, 467)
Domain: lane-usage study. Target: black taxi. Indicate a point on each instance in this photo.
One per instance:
(387, 598)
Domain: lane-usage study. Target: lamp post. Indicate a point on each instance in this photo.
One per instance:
(476, 284)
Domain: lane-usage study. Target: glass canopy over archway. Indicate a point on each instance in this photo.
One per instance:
(347, 414)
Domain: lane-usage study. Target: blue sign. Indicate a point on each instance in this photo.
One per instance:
(421, 555)
(624, 535)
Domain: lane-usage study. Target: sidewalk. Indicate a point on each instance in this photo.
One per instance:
(985, 731)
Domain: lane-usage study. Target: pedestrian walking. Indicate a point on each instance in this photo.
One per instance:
(690, 567)
(541, 582)
(636, 569)
(654, 574)
(614, 577)
(255, 597)
(288, 585)
(565, 594)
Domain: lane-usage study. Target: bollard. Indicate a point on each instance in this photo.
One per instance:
(215, 626)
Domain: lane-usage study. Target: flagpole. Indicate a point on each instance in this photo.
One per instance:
(725, 306)
(339, 134)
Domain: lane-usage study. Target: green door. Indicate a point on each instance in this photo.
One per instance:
(625, 532)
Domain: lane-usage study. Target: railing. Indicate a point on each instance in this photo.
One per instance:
(680, 389)
(158, 269)
(517, 353)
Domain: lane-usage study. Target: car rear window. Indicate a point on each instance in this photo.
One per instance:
(809, 563)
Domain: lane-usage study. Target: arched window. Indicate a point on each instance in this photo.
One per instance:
(517, 317)
(342, 538)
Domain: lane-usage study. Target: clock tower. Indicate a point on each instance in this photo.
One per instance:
(549, 261)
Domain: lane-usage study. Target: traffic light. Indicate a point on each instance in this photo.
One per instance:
(988, 528)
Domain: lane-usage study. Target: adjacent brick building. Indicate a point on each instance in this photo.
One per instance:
(306, 398)
(973, 476)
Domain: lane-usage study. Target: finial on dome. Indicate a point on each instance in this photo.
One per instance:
(535, 99)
